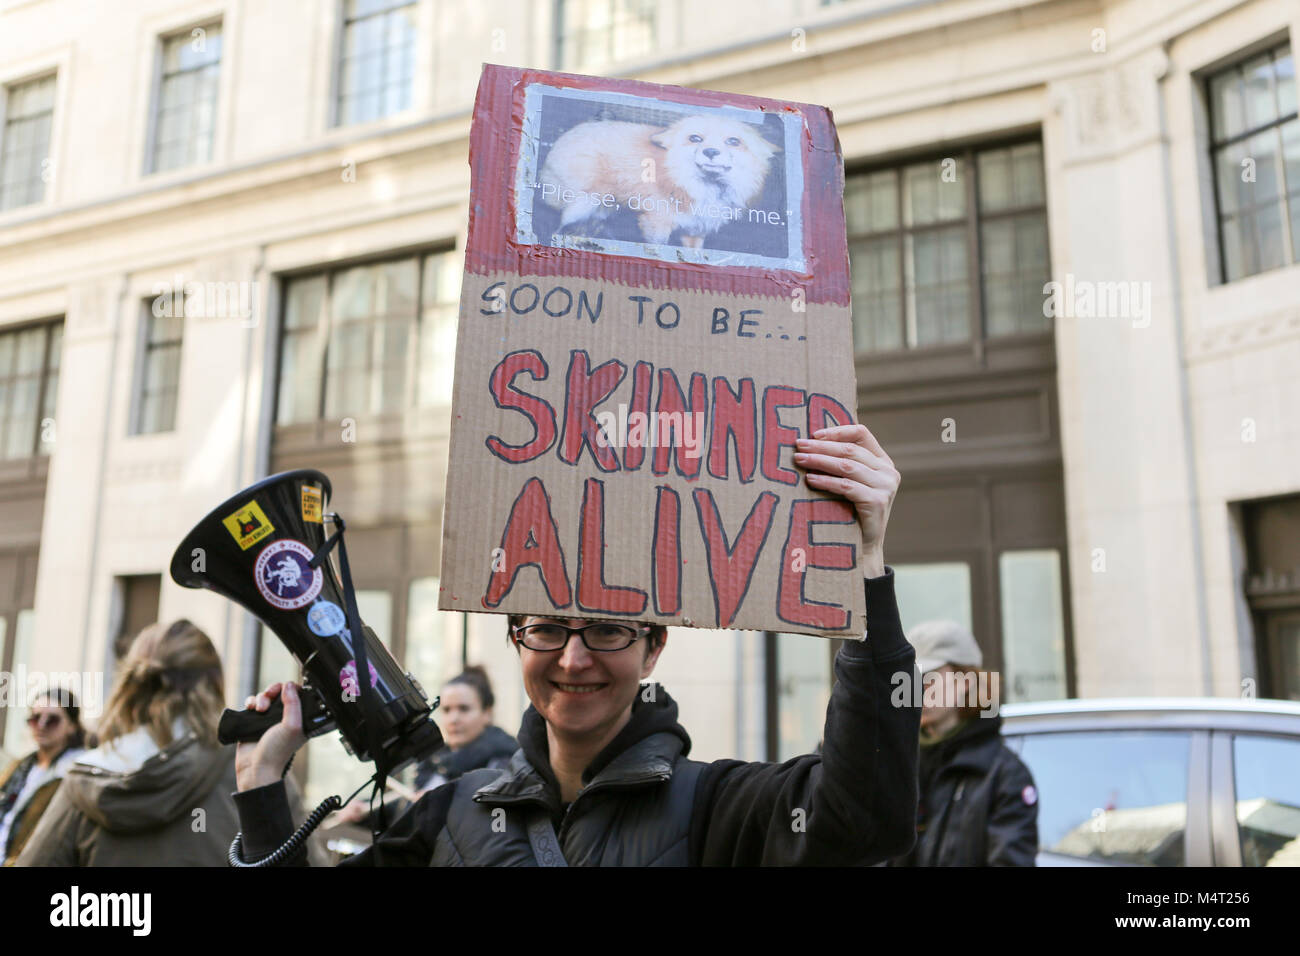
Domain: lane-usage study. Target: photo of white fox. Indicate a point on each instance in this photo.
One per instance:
(619, 174)
(690, 178)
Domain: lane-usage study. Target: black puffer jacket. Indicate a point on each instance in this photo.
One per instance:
(979, 806)
(491, 749)
(644, 803)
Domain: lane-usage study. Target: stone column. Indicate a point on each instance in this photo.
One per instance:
(1136, 579)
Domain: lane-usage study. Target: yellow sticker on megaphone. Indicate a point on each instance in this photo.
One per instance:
(248, 525)
(311, 504)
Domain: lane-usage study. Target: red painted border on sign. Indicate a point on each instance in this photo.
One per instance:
(494, 154)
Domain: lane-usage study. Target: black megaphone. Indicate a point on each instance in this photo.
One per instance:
(266, 549)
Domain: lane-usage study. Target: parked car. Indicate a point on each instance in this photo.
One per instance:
(1162, 781)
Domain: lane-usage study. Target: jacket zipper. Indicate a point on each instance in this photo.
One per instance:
(595, 788)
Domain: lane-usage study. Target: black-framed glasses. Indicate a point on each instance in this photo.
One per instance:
(599, 636)
(45, 720)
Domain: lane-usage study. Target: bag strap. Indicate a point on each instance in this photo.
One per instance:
(541, 836)
(357, 640)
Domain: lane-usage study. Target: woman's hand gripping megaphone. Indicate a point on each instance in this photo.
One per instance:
(264, 761)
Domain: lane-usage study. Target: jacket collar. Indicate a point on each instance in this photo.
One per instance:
(649, 761)
(493, 743)
(641, 754)
(974, 747)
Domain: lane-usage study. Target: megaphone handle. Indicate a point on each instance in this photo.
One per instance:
(247, 726)
(240, 726)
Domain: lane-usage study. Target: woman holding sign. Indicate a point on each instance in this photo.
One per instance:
(602, 776)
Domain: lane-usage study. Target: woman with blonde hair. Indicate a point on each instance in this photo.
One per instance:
(157, 791)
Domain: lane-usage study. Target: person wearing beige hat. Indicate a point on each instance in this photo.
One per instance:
(978, 805)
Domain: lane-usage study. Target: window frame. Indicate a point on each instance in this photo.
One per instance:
(561, 40)
(339, 54)
(1214, 147)
(371, 324)
(150, 159)
(977, 319)
(6, 88)
(47, 325)
(1067, 637)
(325, 326)
(143, 348)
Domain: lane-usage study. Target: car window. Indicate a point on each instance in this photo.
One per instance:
(1267, 774)
(1118, 796)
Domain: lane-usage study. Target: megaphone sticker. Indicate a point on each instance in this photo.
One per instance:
(326, 619)
(311, 504)
(248, 525)
(348, 677)
(284, 575)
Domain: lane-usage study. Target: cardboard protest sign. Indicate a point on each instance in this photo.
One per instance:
(655, 306)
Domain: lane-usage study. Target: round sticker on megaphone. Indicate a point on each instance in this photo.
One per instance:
(284, 575)
(326, 619)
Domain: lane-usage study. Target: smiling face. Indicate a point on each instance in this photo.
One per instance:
(462, 715)
(582, 693)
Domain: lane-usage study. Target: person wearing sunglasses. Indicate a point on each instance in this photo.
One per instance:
(602, 776)
(28, 785)
(137, 798)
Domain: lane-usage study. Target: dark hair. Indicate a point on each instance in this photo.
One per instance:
(658, 632)
(476, 677)
(66, 701)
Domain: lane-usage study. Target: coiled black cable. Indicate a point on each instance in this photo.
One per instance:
(291, 845)
(300, 835)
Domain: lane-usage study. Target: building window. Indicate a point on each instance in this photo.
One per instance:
(1033, 625)
(1255, 151)
(439, 311)
(803, 690)
(377, 60)
(1271, 529)
(594, 34)
(369, 339)
(934, 591)
(948, 250)
(185, 120)
(435, 640)
(372, 328)
(29, 384)
(158, 381)
(25, 142)
(139, 596)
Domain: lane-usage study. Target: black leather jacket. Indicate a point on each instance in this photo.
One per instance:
(979, 806)
(644, 803)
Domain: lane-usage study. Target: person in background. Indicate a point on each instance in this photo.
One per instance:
(29, 784)
(978, 803)
(603, 775)
(157, 791)
(471, 742)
